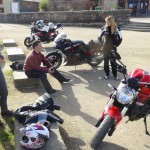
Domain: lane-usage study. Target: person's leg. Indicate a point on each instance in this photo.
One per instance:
(114, 68)
(3, 93)
(106, 66)
(56, 74)
(43, 77)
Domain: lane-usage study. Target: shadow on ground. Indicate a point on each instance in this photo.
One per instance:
(110, 146)
(69, 141)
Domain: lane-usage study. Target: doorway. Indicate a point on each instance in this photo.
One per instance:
(121, 4)
(144, 6)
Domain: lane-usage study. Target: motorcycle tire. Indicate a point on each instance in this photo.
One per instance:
(94, 61)
(28, 42)
(55, 59)
(102, 131)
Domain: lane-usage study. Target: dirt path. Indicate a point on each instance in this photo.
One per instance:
(84, 98)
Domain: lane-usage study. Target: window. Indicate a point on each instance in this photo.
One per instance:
(1, 10)
(1, 1)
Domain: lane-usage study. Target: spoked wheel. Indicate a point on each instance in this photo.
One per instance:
(28, 42)
(55, 59)
(104, 128)
(96, 59)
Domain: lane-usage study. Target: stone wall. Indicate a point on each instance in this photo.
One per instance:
(71, 17)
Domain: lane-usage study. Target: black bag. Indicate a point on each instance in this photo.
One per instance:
(17, 65)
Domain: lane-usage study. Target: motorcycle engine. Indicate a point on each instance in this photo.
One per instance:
(137, 111)
(74, 58)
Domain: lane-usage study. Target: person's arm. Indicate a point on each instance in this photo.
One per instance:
(33, 62)
(101, 33)
(119, 37)
(46, 62)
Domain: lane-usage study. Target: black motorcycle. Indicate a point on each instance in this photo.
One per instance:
(67, 52)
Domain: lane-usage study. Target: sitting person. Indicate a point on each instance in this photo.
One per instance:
(33, 69)
(3, 93)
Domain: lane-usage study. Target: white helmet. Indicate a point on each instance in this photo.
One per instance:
(34, 136)
(40, 24)
(51, 25)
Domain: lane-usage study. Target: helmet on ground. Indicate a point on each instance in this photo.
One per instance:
(34, 136)
(40, 24)
(51, 25)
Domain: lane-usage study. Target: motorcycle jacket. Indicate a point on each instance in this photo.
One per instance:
(108, 40)
(43, 103)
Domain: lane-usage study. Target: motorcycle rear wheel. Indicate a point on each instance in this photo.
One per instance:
(55, 59)
(96, 59)
(28, 42)
(101, 133)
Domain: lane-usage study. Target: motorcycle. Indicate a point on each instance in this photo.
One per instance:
(69, 52)
(131, 98)
(36, 33)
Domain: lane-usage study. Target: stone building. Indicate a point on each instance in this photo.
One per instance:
(28, 5)
(68, 5)
(8, 6)
(5, 6)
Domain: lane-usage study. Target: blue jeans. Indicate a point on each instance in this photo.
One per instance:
(43, 77)
(3, 92)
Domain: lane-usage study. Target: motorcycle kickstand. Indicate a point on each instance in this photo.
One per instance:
(145, 123)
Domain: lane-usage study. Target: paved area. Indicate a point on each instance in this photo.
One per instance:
(84, 98)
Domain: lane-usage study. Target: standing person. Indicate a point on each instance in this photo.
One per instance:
(3, 93)
(146, 8)
(135, 10)
(110, 37)
(33, 69)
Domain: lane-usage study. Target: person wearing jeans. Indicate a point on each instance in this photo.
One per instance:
(3, 93)
(33, 69)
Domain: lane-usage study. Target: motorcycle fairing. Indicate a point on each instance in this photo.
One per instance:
(113, 112)
(142, 76)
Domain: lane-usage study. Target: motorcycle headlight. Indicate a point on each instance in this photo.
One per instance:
(125, 95)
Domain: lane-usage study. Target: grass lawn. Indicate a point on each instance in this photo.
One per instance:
(7, 134)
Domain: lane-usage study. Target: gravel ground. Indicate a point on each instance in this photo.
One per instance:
(84, 98)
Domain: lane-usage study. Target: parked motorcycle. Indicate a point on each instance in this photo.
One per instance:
(39, 31)
(131, 98)
(69, 52)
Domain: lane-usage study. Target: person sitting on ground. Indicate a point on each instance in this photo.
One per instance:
(3, 93)
(33, 69)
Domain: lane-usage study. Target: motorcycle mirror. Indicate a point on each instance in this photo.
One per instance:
(112, 87)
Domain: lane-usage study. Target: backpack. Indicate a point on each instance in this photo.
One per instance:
(17, 65)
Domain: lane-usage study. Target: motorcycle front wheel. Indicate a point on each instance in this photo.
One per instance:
(55, 59)
(102, 131)
(28, 42)
(96, 59)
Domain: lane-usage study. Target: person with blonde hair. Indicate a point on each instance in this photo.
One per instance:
(110, 37)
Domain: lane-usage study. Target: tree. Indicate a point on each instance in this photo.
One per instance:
(43, 5)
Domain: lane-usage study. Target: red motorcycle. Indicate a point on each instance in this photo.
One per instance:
(131, 98)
